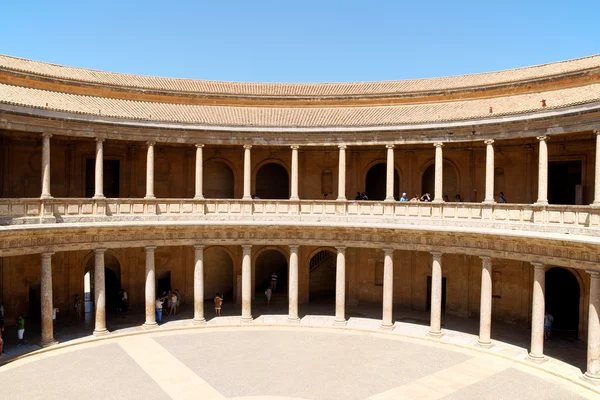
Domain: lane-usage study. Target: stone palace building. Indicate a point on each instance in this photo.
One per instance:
(111, 180)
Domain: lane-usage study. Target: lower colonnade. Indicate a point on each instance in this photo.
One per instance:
(536, 353)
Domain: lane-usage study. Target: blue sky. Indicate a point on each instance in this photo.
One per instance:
(300, 41)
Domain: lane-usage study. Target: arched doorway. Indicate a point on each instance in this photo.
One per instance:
(562, 301)
(218, 273)
(272, 182)
(218, 181)
(269, 262)
(450, 186)
(112, 283)
(322, 269)
(375, 182)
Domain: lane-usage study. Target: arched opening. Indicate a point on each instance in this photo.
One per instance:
(272, 182)
(267, 263)
(218, 181)
(375, 182)
(450, 184)
(218, 273)
(322, 276)
(112, 284)
(562, 301)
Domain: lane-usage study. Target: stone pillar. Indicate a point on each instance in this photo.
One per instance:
(435, 326)
(46, 289)
(340, 287)
(199, 284)
(294, 185)
(293, 285)
(99, 171)
(150, 289)
(46, 166)
(439, 173)
(388, 288)
(389, 176)
(489, 171)
(99, 293)
(150, 171)
(342, 174)
(246, 283)
(537, 313)
(247, 172)
(199, 174)
(597, 171)
(543, 172)
(485, 311)
(593, 341)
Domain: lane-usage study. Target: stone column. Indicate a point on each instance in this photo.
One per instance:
(489, 171)
(293, 285)
(597, 171)
(435, 326)
(485, 311)
(99, 171)
(294, 187)
(537, 312)
(388, 288)
(99, 293)
(199, 174)
(150, 171)
(46, 289)
(46, 166)
(439, 173)
(199, 284)
(342, 173)
(150, 289)
(246, 283)
(247, 172)
(593, 340)
(389, 177)
(340, 287)
(543, 172)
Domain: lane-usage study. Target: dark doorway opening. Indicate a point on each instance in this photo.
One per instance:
(111, 178)
(218, 180)
(376, 181)
(322, 276)
(562, 301)
(428, 306)
(272, 182)
(35, 305)
(268, 262)
(564, 182)
(163, 282)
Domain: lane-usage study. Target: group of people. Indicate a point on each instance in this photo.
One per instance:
(167, 304)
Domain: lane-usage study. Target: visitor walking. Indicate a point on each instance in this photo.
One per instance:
(21, 330)
(273, 285)
(77, 306)
(218, 303)
(268, 294)
(502, 198)
(548, 320)
(159, 309)
(173, 304)
(178, 300)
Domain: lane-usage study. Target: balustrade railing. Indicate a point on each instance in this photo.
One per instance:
(579, 219)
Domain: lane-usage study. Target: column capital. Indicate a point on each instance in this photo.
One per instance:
(538, 265)
(388, 251)
(199, 246)
(342, 146)
(294, 247)
(294, 147)
(150, 249)
(438, 144)
(489, 141)
(99, 251)
(542, 138)
(47, 254)
(150, 143)
(593, 274)
(247, 146)
(199, 145)
(389, 146)
(486, 259)
(100, 139)
(437, 255)
(46, 135)
(597, 132)
(341, 249)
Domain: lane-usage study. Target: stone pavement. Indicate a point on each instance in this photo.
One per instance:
(272, 359)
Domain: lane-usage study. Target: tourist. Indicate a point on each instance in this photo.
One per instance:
(415, 199)
(255, 197)
(172, 303)
(502, 198)
(124, 300)
(446, 198)
(218, 303)
(358, 196)
(364, 196)
(1, 334)
(548, 320)
(77, 306)
(159, 309)
(457, 198)
(1, 310)
(403, 198)
(273, 282)
(120, 302)
(178, 299)
(268, 294)
(21, 330)
(426, 197)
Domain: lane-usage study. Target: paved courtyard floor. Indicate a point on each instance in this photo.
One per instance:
(272, 360)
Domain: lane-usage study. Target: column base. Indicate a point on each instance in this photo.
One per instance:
(102, 332)
(595, 204)
(198, 197)
(541, 203)
(46, 197)
(47, 343)
(435, 334)
(148, 326)
(149, 197)
(438, 201)
(389, 200)
(592, 378)
(385, 327)
(339, 322)
(537, 359)
(341, 199)
(485, 345)
(199, 321)
(488, 202)
(293, 320)
(99, 197)
(247, 198)
(294, 198)
(246, 320)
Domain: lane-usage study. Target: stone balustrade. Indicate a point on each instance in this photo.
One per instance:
(584, 220)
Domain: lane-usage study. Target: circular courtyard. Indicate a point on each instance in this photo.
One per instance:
(276, 363)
